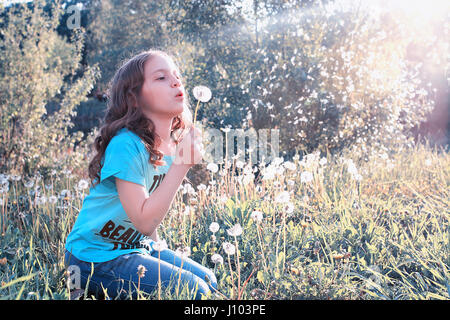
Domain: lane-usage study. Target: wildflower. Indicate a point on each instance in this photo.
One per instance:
(217, 258)
(257, 216)
(229, 248)
(306, 177)
(214, 227)
(282, 197)
(82, 184)
(160, 245)
(141, 271)
(203, 94)
(235, 231)
(212, 167)
(3, 261)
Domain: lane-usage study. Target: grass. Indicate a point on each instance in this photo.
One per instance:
(383, 235)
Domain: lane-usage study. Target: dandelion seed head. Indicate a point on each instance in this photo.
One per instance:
(217, 258)
(235, 231)
(141, 271)
(306, 177)
(214, 227)
(229, 248)
(202, 93)
(212, 167)
(282, 197)
(257, 216)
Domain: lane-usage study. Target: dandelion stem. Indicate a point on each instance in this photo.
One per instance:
(232, 278)
(195, 114)
(159, 275)
(238, 266)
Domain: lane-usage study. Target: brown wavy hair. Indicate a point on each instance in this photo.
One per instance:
(122, 95)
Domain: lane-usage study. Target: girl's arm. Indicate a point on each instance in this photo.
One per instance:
(147, 212)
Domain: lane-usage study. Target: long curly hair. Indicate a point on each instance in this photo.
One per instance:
(122, 95)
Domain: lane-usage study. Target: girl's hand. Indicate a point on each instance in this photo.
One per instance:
(190, 149)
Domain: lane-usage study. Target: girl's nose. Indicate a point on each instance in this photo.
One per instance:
(176, 82)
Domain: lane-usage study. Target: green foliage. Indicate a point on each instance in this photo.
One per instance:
(378, 238)
(41, 84)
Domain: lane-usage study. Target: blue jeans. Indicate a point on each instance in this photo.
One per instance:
(119, 276)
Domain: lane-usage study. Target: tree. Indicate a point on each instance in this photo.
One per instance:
(41, 83)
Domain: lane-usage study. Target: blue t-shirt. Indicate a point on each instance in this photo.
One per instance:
(103, 230)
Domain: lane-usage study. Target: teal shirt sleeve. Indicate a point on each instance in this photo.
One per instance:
(123, 160)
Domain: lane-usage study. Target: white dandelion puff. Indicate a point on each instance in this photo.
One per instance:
(212, 167)
(229, 248)
(257, 216)
(306, 177)
(217, 258)
(235, 231)
(214, 227)
(282, 197)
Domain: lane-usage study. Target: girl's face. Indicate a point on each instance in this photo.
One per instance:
(161, 88)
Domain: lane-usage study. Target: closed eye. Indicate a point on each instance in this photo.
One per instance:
(160, 78)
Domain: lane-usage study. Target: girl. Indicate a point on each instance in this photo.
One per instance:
(139, 166)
